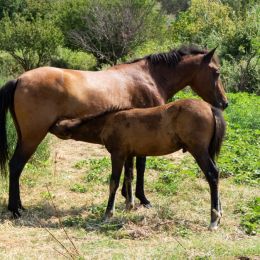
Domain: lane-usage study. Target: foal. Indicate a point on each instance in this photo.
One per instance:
(191, 125)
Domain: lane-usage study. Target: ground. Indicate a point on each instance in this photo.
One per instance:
(65, 204)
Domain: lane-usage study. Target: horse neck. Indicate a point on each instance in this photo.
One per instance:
(170, 80)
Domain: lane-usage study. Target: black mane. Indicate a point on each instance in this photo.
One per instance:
(173, 57)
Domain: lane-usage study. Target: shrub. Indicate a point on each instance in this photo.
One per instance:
(30, 43)
(109, 30)
(69, 59)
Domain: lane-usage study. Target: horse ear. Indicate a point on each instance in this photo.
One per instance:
(207, 57)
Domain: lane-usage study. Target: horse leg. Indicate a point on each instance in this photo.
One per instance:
(19, 159)
(128, 183)
(139, 190)
(212, 175)
(117, 166)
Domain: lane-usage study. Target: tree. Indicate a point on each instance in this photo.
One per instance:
(10, 7)
(31, 43)
(110, 29)
(174, 6)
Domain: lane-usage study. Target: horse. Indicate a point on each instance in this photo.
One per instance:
(39, 97)
(191, 125)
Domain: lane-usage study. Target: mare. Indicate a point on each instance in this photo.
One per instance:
(191, 125)
(39, 97)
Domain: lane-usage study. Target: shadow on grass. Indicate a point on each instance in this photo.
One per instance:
(89, 218)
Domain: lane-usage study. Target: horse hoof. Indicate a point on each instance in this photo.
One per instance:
(22, 208)
(16, 214)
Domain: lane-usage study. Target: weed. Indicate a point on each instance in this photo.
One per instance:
(47, 195)
(77, 187)
(81, 164)
(250, 217)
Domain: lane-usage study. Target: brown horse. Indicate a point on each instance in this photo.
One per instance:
(191, 125)
(38, 98)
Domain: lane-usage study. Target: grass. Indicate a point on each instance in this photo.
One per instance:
(174, 228)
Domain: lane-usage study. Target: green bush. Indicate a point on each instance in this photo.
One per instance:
(69, 59)
(30, 43)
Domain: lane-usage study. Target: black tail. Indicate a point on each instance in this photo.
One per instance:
(219, 133)
(6, 102)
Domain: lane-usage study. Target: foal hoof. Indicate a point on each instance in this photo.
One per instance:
(213, 226)
(129, 206)
(216, 220)
(108, 216)
(147, 205)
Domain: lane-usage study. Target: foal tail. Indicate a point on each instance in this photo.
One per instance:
(219, 133)
(6, 103)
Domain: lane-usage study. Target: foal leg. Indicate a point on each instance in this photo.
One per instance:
(212, 175)
(128, 183)
(117, 166)
(139, 190)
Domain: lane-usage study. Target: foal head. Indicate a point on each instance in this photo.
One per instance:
(206, 81)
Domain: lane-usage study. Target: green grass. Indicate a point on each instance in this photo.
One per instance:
(250, 216)
(239, 156)
(96, 169)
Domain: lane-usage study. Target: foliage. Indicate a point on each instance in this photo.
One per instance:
(250, 217)
(236, 34)
(8, 68)
(202, 24)
(30, 43)
(69, 59)
(10, 7)
(174, 6)
(240, 50)
(109, 30)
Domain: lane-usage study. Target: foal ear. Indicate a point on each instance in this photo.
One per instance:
(207, 57)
